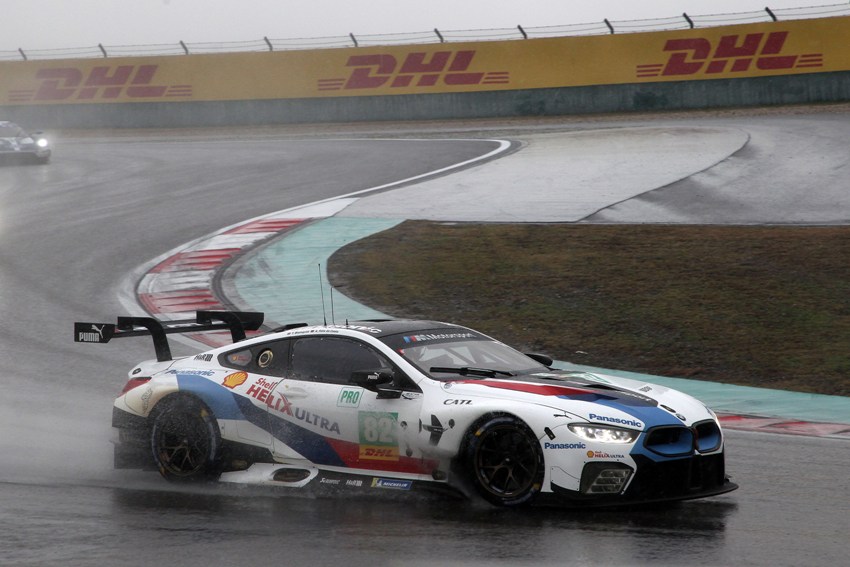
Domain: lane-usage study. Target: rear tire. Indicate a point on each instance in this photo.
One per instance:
(186, 441)
(504, 461)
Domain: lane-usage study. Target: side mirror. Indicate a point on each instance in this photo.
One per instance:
(371, 379)
(378, 380)
(541, 358)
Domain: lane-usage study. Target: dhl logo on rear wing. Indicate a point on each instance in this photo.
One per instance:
(237, 322)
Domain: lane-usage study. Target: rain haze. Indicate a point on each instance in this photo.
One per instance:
(78, 234)
(58, 24)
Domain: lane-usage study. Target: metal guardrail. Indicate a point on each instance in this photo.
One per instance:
(605, 27)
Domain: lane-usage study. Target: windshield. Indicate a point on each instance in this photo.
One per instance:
(478, 354)
(10, 131)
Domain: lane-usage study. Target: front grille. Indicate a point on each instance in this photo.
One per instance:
(708, 436)
(679, 441)
(670, 441)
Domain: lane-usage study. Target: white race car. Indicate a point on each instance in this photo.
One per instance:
(16, 143)
(405, 405)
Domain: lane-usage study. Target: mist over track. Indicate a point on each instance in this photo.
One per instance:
(72, 231)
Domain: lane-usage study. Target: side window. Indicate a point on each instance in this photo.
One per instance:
(332, 359)
(266, 358)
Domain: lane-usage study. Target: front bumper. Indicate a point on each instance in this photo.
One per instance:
(687, 478)
(36, 154)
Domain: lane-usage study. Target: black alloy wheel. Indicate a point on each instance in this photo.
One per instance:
(505, 461)
(185, 440)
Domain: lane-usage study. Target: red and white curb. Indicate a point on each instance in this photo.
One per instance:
(786, 426)
(181, 282)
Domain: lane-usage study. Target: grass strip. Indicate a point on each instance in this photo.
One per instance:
(756, 306)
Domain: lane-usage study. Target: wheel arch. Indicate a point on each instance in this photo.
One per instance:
(173, 397)
(219, 400)
(479, 422)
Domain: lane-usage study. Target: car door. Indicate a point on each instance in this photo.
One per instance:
(320, 414)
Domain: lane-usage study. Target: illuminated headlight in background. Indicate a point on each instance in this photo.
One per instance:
(604, 434)
(41, 143)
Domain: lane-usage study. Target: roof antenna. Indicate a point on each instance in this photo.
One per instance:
(322, 290)
(331, 293)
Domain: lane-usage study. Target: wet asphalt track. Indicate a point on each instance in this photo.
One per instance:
(71, 231)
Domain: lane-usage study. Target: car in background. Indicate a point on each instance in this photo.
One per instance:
(404, 405)
(18, 144)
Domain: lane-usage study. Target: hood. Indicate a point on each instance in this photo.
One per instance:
(595, 398)
(17, 142)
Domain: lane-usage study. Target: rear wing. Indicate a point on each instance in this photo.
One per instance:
(237, 322)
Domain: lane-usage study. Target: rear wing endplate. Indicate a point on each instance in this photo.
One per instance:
(237, 322)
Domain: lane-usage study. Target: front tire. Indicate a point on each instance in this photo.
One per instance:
(186, 441)
(504, 461)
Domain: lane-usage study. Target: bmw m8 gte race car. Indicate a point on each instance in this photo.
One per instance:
(402, 405)
(16, 143)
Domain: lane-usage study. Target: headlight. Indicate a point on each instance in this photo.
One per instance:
(603, 434)
(41, 143)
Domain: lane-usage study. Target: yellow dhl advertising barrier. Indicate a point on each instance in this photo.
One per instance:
(754, 50)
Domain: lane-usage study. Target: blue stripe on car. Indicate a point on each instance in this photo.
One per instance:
(311, 445)
(226, 404)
